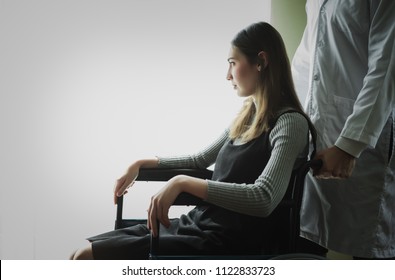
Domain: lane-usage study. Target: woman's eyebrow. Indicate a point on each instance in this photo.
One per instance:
(230, 58)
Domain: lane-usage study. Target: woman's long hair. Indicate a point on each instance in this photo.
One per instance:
(276, 90)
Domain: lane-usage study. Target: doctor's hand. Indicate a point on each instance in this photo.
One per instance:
(337, 164)
(160, 205)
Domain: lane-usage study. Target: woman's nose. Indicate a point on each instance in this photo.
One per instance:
(229, 75)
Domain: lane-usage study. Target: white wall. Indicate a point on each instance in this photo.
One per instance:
(86, 87)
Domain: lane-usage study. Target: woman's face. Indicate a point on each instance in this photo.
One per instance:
(243, 75)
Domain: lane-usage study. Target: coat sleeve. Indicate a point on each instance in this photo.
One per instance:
(376, 99)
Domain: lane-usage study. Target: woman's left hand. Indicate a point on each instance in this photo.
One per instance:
(160, 205)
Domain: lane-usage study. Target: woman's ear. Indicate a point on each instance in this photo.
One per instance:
(263, 60)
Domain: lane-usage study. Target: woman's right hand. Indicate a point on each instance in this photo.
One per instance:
(126, 181)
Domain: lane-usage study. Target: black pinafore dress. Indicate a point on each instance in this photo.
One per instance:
(206, 229)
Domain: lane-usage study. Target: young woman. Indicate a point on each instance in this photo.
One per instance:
(253, 160)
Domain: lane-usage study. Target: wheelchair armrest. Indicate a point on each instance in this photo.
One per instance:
(186, 199)
(165, 174)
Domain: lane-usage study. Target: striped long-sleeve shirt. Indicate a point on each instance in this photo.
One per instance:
(288, 141)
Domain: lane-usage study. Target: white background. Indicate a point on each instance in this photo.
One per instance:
(89, 86)
(198, 269)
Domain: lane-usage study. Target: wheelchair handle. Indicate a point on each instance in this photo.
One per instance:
(316, 164)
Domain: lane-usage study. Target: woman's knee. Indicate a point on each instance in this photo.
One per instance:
(83, 254)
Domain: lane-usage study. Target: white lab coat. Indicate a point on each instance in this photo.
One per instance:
(345, 67)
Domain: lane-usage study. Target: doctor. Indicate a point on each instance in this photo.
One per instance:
(345, 68)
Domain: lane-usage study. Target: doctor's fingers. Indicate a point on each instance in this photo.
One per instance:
(333, 174)
(344, 170)
(327, 172)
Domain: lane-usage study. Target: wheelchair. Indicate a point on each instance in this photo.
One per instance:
(283, 236)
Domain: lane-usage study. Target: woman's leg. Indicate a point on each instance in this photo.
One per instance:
(83, 254)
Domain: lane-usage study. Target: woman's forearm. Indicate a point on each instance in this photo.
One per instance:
(194, 186)
(145, 163)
